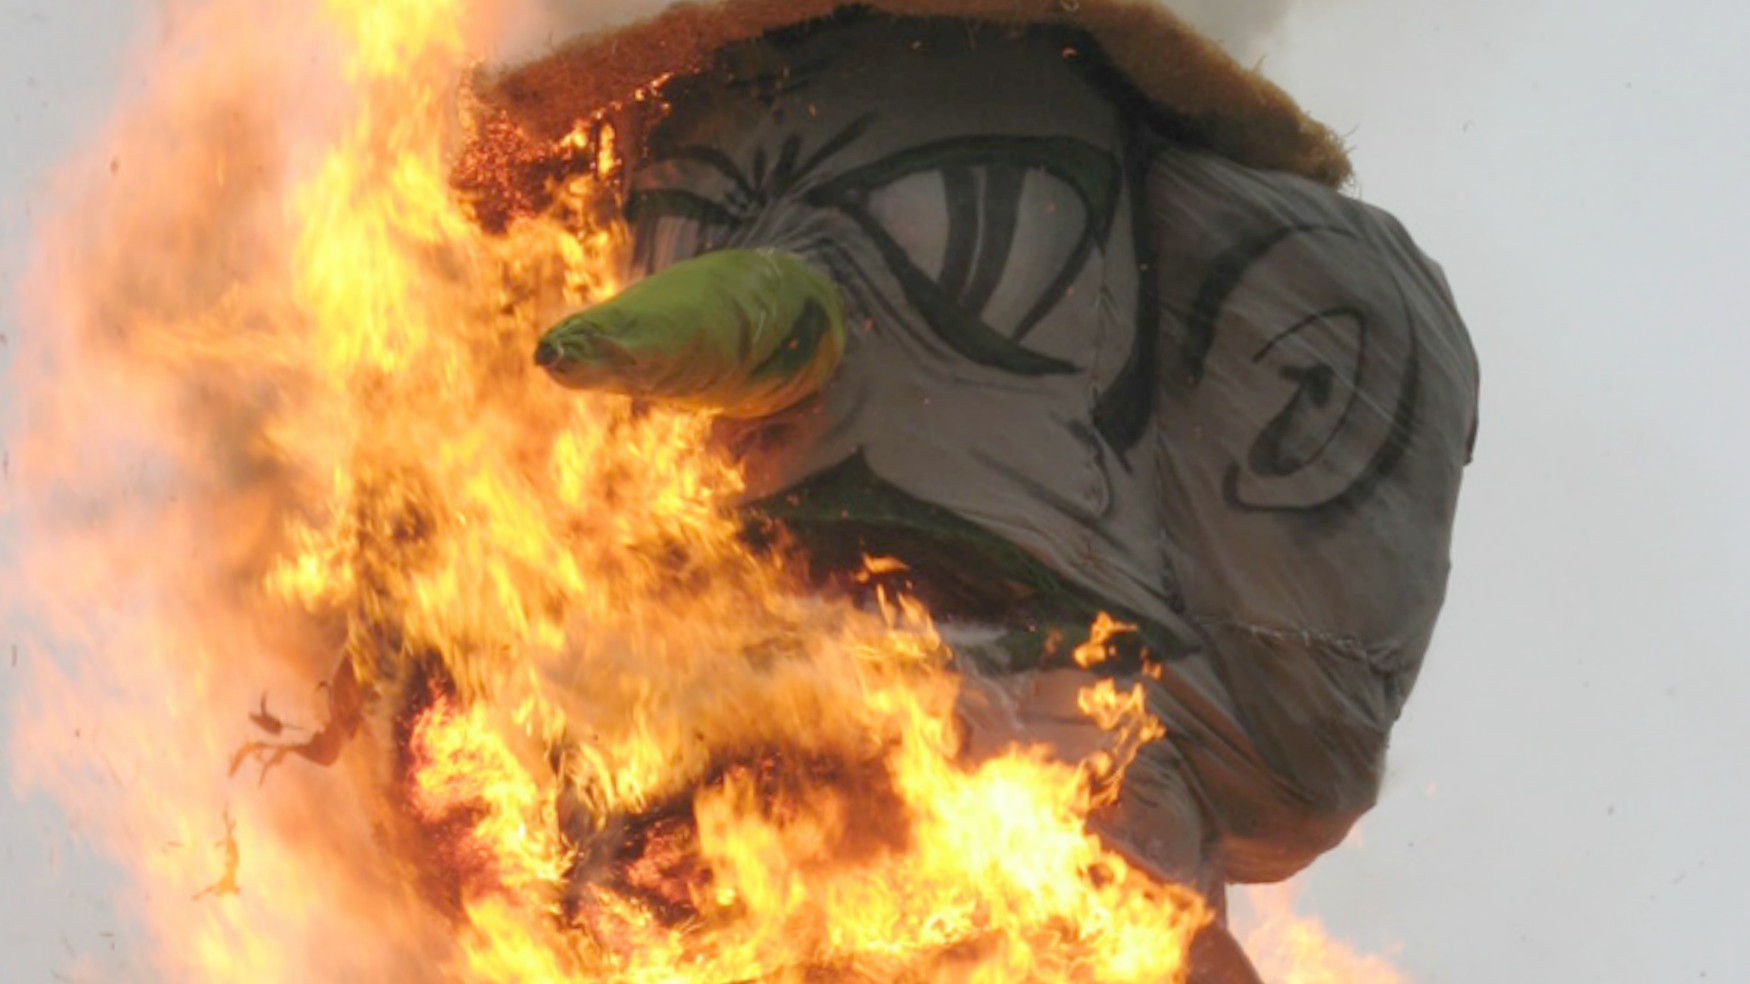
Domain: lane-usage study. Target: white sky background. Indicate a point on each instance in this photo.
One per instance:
(1568, 798)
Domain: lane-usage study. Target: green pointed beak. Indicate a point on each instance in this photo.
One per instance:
(742, 332)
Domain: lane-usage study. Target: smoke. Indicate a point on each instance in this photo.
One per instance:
(532, 28)
(1245, 28)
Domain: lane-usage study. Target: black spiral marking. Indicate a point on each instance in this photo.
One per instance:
(1265, 458)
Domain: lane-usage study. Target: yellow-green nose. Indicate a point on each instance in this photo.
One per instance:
(744, 332)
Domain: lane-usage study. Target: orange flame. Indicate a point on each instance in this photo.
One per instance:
(1290, 948)
(1097, 649)
(279, 415)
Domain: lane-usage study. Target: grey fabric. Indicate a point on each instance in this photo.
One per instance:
(1319, 404)
(1233, 403)
(1317, 409)
(1158, 822)
(923, 158)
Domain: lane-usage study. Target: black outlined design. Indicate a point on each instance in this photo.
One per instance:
(982, 228)
(1313, 456)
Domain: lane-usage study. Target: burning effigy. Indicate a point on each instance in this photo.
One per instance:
(997, 494)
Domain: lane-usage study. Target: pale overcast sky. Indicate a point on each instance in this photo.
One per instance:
(1566, 802)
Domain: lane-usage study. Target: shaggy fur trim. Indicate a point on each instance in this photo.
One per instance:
(1234, 112)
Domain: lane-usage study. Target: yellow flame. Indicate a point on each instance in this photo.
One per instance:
(329, 366)
(1290, 948)
(466, 765)
(1098, 648)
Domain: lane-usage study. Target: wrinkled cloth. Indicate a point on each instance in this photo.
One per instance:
(1232, 405)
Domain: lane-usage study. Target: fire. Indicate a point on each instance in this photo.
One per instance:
(467, 772)
(1096, 650)
(281, 428)
(1295, 949)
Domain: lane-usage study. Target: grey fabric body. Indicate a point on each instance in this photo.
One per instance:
(1233, 404)
(1014, 452)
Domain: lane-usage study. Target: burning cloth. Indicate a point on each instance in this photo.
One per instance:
(1062, 315)
(1031, 504)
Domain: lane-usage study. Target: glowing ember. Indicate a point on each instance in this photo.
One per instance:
(281, 427)
(1097, 649)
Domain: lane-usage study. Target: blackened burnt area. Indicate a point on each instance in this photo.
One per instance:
(654, 858)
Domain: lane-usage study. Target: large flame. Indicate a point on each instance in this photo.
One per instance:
(290, 489)
(281, 428)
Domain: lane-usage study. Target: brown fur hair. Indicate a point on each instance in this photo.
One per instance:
(1234, 112)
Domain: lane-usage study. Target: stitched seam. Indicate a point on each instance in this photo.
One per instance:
(1344, 645)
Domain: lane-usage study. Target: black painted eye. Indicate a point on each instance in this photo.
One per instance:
(990, 236)
(984, 234)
